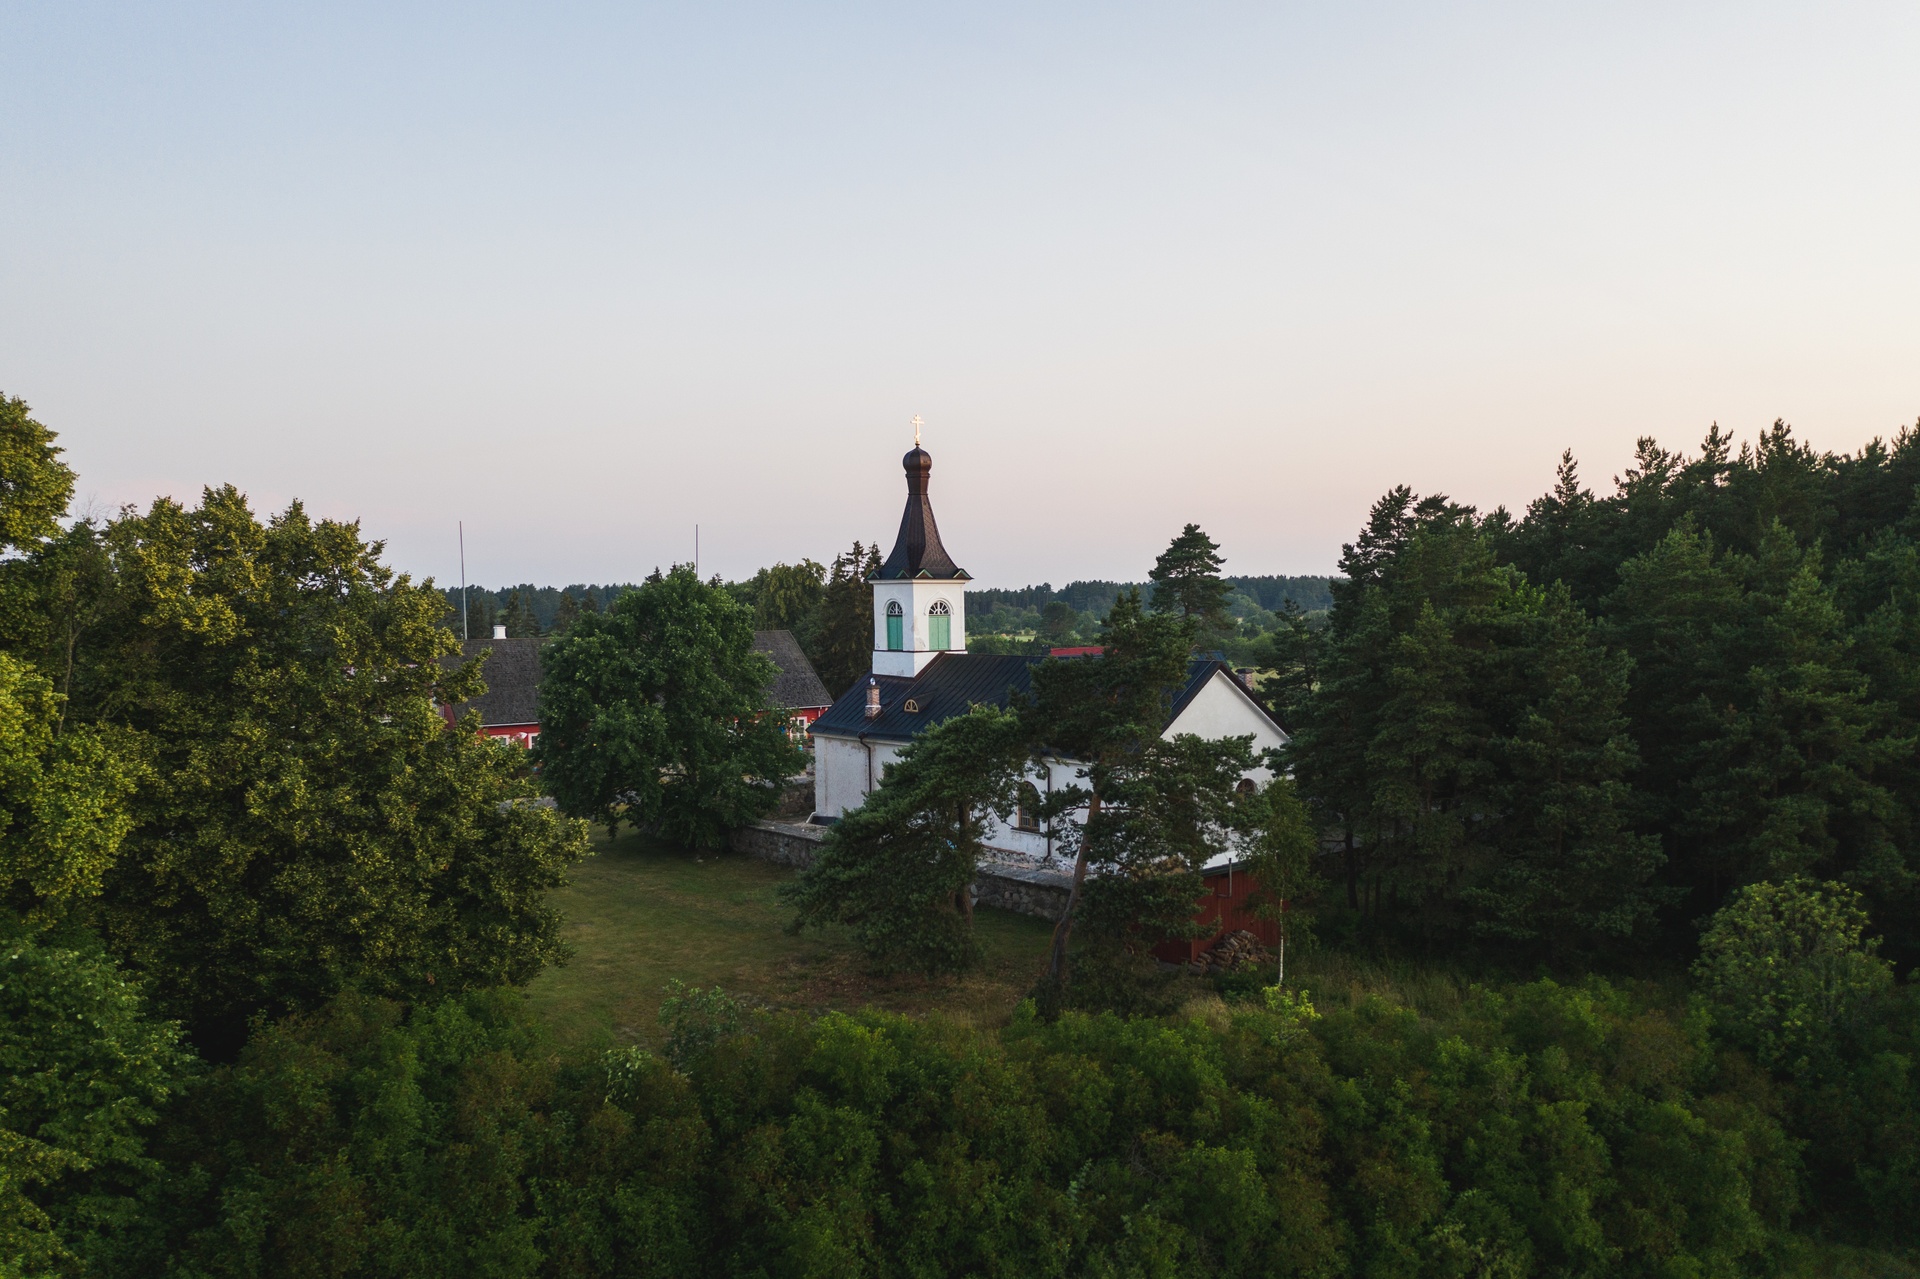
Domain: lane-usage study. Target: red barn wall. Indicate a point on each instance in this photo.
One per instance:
(1224, 909)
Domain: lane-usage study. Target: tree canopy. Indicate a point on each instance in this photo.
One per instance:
(1186, 580)
(654, 713)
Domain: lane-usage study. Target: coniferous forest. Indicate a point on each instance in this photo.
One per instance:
(1621, 790)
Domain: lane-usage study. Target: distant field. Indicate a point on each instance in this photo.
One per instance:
(640, 914)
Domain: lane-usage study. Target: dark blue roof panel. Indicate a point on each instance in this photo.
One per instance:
(951, 684)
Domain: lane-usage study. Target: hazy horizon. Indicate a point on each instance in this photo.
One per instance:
(584, 277)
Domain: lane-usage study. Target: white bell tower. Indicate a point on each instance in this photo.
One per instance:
(919, 594)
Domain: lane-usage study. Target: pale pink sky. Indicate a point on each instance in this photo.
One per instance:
(585, 275)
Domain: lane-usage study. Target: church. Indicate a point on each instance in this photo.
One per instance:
(922, 675)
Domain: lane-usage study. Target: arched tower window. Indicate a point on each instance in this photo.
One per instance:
(896, 626)
(939, 626)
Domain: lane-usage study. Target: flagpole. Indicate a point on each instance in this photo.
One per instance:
(463, 581)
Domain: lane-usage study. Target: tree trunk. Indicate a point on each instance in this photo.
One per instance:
(1281, 980)
(963, 900)
(1062, 931)
(1353, 875)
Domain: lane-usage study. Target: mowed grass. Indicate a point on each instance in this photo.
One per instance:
(640, 914)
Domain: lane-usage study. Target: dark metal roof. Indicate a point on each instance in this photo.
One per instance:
(512, 673)
(953, 682)
(797, 686)
(917, 552)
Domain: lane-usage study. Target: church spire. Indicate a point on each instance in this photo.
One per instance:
(917, 552)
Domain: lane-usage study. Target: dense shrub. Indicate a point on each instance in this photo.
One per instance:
(1541, 1130)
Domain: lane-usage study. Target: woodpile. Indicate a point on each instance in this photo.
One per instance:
(1235, 950)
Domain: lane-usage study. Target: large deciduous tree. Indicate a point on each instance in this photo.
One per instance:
(306, 822)
(655, 714)
(786, 597)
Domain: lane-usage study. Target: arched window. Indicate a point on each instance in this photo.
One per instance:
(939, 626)
(1246, 786)
(1027, 816)
(896, 626)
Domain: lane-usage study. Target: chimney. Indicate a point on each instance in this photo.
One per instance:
(873, 697)
(499, 632)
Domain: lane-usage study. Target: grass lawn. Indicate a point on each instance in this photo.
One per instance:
(639, 914)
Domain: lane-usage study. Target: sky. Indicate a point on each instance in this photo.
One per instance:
(584, 276)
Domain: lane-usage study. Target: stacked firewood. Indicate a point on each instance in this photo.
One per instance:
(1235, 950)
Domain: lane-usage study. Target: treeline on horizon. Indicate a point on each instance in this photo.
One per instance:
(829, 609)
(1271, 592)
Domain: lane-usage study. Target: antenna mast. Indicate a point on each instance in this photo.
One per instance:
(462, 526)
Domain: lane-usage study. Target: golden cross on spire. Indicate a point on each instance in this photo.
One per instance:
(917, 424)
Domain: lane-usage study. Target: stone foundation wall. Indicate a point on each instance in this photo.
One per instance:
(1022, 897)
(787, 843)
(1019, 886)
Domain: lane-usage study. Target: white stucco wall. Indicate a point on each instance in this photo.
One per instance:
(840, 768)
(1223, 709)
(1220, 709)
(1007, 838)
(915, 598)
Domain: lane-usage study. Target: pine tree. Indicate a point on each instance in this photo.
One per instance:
(568, 612)
(518, 617)
(1151, 808)
(1760, 737)
(1186, 581)
(900, 868)
(841, 640)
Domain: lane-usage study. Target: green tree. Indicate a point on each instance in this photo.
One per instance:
(1786, 968)
(84, 1071)
(1186, 581)
(63, 810)
(35, 485)
(1761, 738)
(842, 639)
(654, 713)
(480, 615)
(1465, 731)
(1282, 857)
(306, 822)
(1567, 869)
(518, 618)
(566, 614)
(1152, 811)
(1168, 808)
(900, 868)
(1058, 621)
(787, 597)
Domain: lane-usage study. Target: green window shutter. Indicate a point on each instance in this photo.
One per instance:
(895, 640)
(940, 631)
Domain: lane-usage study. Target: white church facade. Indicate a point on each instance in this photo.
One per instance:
(922, 674)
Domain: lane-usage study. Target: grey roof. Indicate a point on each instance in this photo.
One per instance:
(512, 673)
(917, 552)
(797, 686)
(952, 683)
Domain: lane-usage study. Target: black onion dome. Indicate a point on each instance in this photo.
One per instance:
(917, 551)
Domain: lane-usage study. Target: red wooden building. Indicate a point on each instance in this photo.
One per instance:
(1224, 909)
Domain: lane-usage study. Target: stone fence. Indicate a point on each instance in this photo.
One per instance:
(1018, 884)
